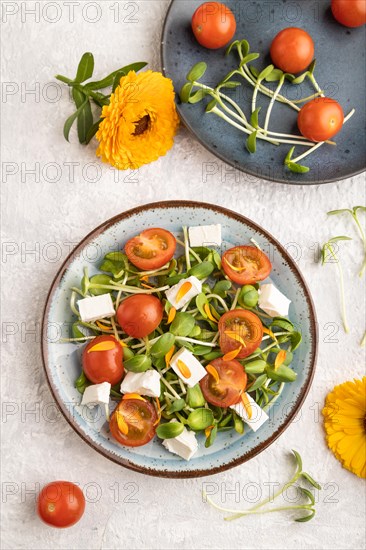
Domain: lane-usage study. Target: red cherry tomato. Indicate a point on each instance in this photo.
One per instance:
(246, 265)
(292, 50)
(231, 384)
(139, 315)
(240, 330)
(151, 249)
(103, 360)
(213, 25)
(350, 13)
(61, 504)
(320, 119)
(133, 422)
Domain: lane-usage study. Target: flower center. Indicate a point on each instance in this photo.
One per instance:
(142, 125)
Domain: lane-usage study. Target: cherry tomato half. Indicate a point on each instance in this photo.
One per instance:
(246, 265)
(240, 329)
(133, 422)
(320, 119)
(139, 315)
(102, 360)
(213, 25)
(61, 504)
(292, 50)
(350, 13)
(151, 249)
(232, 382)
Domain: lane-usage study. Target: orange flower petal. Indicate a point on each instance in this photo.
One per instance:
(235, 336)
(207, 309)
(246, 404)
(238, 269)
(232, 354)
(103, 327)
(211, 370)
(169, 355)
(132, 396)
(280, 358)
(208, 430)
(186, 287)
(103, 346)
(269, 332)
(171, 315)
(183, 369)
(121, 423)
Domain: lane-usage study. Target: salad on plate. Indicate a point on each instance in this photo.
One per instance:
(179, 338)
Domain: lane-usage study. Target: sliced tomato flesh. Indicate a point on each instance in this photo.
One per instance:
(246, 265)
(152, 249)
(133, 422)
(240, 329)
(224, 383)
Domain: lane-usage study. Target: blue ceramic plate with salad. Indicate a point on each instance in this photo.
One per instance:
(239, 107)
(179, 339)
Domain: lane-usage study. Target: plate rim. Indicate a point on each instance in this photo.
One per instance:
(66, 412)
(215, 152)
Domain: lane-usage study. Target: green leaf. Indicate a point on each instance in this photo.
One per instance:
(211, 106)
(258, 383)
(212, 436)
(195, 332)
(85, 282)
(198, 96)
(254, 117)
(176, 406)
(115, 263)
(85, 68)
(297, 168)
(296, 340)
(75, 330)
(298, 460)
(238, 424)
(138, 363)
(308, 494)
(254, 71)
(163, 345)
(282, 323)
(248, 58)
(200, 419)
(300, 79)
(248, 296)
(274, 75)
(311, 480)
(282, 374)
(202, 270)
(197, 71)
(230, 85)
(306, 518)
(201, 301)
(81, 383)
(195, 397)
(341, 211)
(85, 122)
(108, 80)
(221, 288)
(257, 366)
(312, 66)
(231, 46)
(251, 143)
(340, 238)
(227, 77)
(169, 430)
(70, 121)
(182, 324)
(98, 280)
(244, 47)
(117, 80)
(289, 155)
(185, 92)
(92, 131)
(212, 355)
(128, 354)
(266, 72)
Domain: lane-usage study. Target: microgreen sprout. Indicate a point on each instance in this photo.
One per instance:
(328, 254)
(354, 214)
(308, 506)
(224, 106)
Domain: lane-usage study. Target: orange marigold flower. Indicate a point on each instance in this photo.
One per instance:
(345, 424)
(140, 122)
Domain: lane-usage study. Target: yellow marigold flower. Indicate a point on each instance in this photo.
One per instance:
(345, 424)
(140, 122)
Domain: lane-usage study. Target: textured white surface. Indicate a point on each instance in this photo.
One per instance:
(45, 213)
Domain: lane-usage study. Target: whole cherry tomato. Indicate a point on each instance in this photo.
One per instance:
(213, 25)
(350, 13)
(292, 50)
(103, 360)
(140, 315)
(320, 119)
(61, 504)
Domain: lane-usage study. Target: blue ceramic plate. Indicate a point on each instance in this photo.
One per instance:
(341, 72)
(62, 361)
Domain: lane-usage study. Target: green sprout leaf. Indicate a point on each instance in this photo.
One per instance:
(211, 106)
(297, 168)
(138, 363)
(182, 324)
(176, 406)
(212, 436)
(195, 397)
(169, 430)
(254, 117)
(298, 460)
(274, 76)
(311, 480)
(248, 58)
(251, 143)
(163, 345)
(200, 419)
(197, 72)
(231, 46)
(185, 92)
(306, 518)
(257, 366)
(266, 72)
(198, 96)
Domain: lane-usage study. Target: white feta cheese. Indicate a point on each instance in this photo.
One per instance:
(195, 289)
(185, 445)
(143, 383)
(272, 301)
(97, 394)
(96, 307)
(189, 362)
(205, 235)
(259, 417)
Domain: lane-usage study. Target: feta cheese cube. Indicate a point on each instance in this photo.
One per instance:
(191, 365)
(96, 307)
(172, 293)
(185, 445)
(272, 301)
(205, 235)
(143, 383)
(96, 394)
(259, 417)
